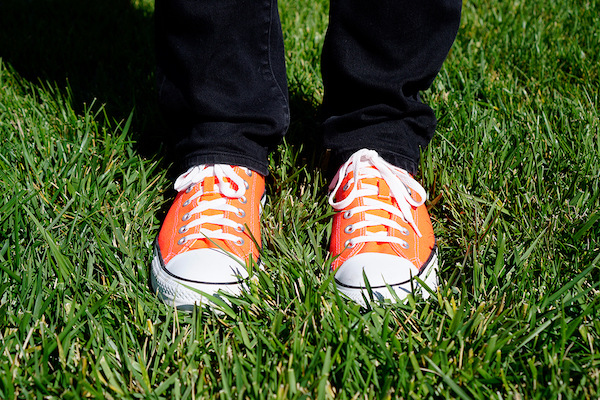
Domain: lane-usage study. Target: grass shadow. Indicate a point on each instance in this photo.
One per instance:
(101, 50)
(305, 134)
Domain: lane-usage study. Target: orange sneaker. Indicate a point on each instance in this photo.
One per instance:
(382, 230)
(207, 238)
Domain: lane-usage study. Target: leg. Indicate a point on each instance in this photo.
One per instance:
(222, 88)
(221, 79)
(377, 57)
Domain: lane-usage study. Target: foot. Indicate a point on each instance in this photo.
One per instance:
(209, 235)
(381, 231)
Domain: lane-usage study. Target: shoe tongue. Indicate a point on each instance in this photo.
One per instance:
(209, 184)
(384, 190)
(383, 195)
(209, 193)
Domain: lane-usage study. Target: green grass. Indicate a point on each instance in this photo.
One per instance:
(514, 193)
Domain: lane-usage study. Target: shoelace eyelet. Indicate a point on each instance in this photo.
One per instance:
(346, 186)
(186, 203)
(183, 229)
(240, 228)
(240, 242)
(186, 217)
(243, 200)
(247, 185)
(405, 232)
(181, 241)
(347, 214)
(189, 189)
(241, 213)
(349, 229)
(349, 244)
(249, 172)
(404, 245)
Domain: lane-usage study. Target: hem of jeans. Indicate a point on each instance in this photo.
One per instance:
(225, 158)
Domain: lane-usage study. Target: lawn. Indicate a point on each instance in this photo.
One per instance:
(514, 193)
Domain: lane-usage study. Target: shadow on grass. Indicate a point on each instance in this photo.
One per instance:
(103, 50)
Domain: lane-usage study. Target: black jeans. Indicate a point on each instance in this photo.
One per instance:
(222, 81)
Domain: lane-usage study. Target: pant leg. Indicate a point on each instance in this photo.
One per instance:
(376, 58)
(221, 79)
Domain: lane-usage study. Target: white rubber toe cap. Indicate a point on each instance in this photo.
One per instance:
(380, 269)
(211, 266)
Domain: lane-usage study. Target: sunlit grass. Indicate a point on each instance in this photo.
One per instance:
(512, 176)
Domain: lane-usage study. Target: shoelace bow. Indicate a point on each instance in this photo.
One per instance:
(366, 164)
(225, 176)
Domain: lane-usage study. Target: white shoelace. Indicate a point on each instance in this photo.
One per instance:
(368, 164)
(197, 174)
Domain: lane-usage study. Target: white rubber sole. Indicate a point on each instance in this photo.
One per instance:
(184, 294)
(429, 276)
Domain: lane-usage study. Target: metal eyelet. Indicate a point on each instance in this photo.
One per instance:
(247, 185)
(349, 229)
(405, 232)
(189, 189)
(181, 241)
(404, 245)
(240, 242)
(243, 200)
(346, 187)
(249, 172)
(185, 217)
(347, 214)
(241, 213)
(349, 244)
(186, 203)
(183, 229)
(240, 228)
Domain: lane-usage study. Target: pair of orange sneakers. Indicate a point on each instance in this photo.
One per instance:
(381, 240)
